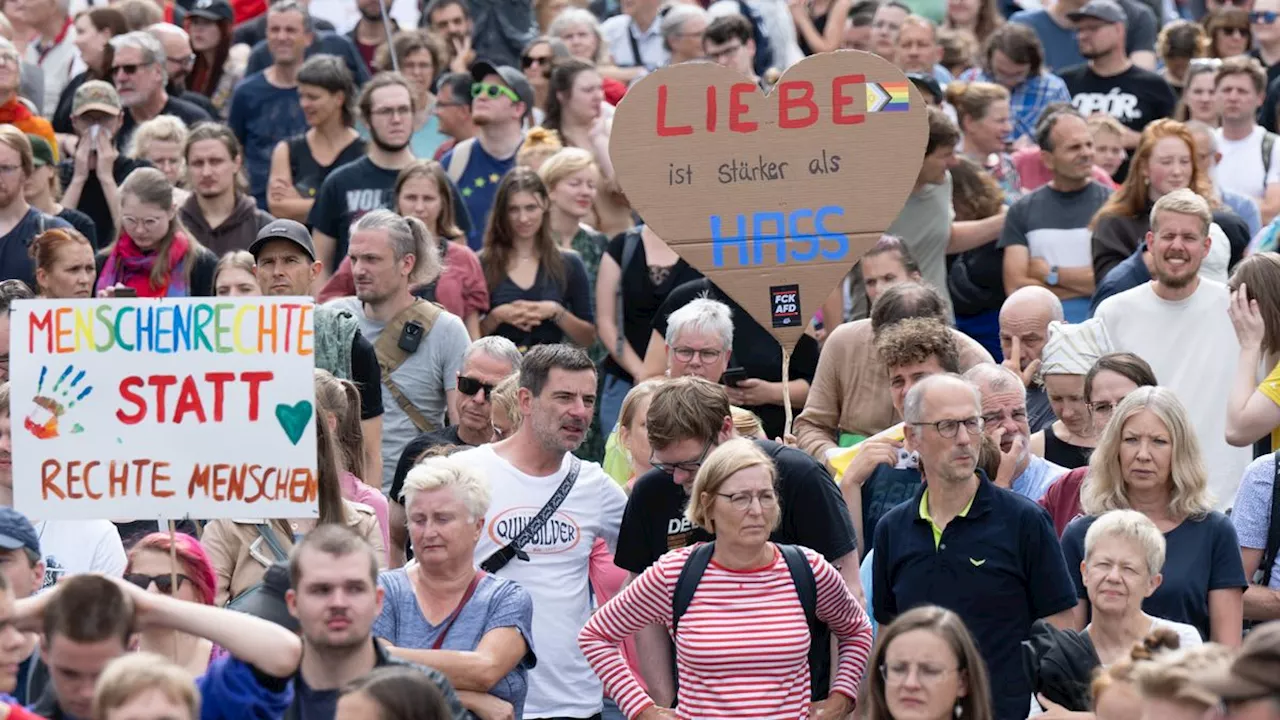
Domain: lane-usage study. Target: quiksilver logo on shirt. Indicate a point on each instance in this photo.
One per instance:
(560, 533)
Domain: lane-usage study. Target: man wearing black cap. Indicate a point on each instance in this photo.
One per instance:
(1109, 82)
(286, 266)
(501, 99)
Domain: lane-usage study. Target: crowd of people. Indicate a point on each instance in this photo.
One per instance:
(1032, 469)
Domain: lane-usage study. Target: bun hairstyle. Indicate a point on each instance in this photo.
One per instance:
(539, 144)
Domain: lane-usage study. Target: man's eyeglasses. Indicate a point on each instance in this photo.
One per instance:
(390, 112)
(742, 501)
(1263, 17)
(164, 583)
(182, 60)
(689, 466)
(128, 68)
(492, 91)
(469, 386)
(707, 355)
(950, 428)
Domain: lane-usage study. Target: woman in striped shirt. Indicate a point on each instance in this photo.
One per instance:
(742, 650)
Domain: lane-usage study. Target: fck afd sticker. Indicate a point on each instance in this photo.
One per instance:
(785, 303)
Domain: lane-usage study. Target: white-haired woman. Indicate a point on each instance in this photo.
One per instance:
(1124, 553)
(1148, 460)
(579, 29)
(746, 584)
(443, 612)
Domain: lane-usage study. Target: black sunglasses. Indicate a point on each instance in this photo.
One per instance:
(529, 61)
(470, 386)
(164, 583)
(128, 69)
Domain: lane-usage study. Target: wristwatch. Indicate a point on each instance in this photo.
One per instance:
(1052, 278)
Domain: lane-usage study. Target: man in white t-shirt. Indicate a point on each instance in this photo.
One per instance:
(68, 547)
(1178, 323)
(1239, 88)
(526, 472)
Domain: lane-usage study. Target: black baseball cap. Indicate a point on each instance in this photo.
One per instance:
(17, 532)
(291, 230)
(212, 10)
(511, 77)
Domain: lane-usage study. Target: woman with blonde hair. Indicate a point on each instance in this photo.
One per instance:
(1164, 161)
(1171, 684)
(234, 275)
(1253, 410)
(926, 665)
(1148, 459)
(154, 256)
(745, 581)
(1114, 688)
(338, 404)
(539, 145)
(572, 178)
(160, 141)
(983, 114)
(505, 402)
(579, 28)
(633, 434)
(143, 684)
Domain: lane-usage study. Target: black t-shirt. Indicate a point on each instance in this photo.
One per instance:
(641, 298)
(1135, 97)
(179, 108)
(415, 448)
(575, 296)
(15, 263)
(754, 349)
(976, 280)
(367, 375)
(813, 513)
(92, 202)
(348, 193)
(83, 223)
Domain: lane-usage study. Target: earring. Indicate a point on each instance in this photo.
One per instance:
(959, 711)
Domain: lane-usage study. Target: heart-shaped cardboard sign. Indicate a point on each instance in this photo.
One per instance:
(772, 198)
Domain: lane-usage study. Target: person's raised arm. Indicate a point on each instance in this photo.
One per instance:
(969, 234)
(1251, 411)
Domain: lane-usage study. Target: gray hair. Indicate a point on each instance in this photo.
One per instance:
(435, 473)
(913, 405)
(7, 47)
(1129, 525)
(496, 347)
(997, 378)
(146, 43)
(573, 17)
(1197, 127)
(294, 6)
(701, 315)
(409, 236)
(677, 16)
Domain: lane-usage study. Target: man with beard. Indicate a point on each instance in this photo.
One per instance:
(285, 265)
(1250, 162)
(19, 222)
(487, 362)
(548, 509)
(387, 108)
(918, 51)
(451, 20)
(1004, 420)
(218, 213)
(501, 99)
(961, 542)
(369, 34)
(335, 597)
(453, 110)
(1110, 83)
(1047, 237)
(179, 59)
(138, 69)
(421, 353)
(688, 417)
(1175, 322)
(1024, 329)
(264, 106)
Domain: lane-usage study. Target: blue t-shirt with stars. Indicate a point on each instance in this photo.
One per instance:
(478, 185)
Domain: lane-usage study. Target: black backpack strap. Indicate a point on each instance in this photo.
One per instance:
(630, 241)
(1263, 575)
(802, 577)
(687, 583)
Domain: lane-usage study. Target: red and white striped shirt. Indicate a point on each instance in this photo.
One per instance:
(743, 645)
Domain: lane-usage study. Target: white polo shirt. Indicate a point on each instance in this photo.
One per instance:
(625, 39)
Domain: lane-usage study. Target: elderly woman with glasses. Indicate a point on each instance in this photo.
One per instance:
(443, 612)
(741, 580)
(1148, 460)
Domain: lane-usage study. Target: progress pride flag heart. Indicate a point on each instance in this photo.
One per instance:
(772, 198)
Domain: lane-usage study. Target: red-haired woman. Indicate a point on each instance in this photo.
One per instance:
(152, 567)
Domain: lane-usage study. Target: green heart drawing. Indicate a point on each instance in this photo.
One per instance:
(294, 419)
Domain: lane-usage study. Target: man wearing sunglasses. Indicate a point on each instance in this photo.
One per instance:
(138, 70)
(487, 362)
(688, 417)
(501, 101)
(967, 545)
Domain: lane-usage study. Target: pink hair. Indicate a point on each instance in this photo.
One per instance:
(191, 556)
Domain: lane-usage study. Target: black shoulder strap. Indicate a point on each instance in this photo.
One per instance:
(269, 536)
(630, 242)
(515, 548)
(802, 578)
(635, 45)
(1268, 142)
(687, 583)
(1263, 574)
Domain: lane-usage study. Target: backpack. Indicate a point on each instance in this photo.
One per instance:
(458, 159)
(806, 587)
(1262, 576)
(1268, 143)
